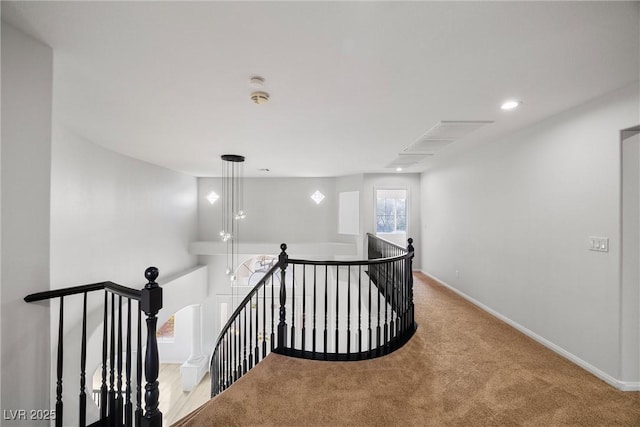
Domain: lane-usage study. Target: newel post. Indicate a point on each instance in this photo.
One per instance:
(283, 260)
(409, 273)
(151, 303)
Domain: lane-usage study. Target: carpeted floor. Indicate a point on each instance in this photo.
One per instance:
(463, 367)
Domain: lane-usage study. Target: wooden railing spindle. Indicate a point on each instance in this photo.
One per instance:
(112, 358)
(128, 409)
(105, 344)
(119, 400)
(83, 365)
(59, 406)
(139, 411)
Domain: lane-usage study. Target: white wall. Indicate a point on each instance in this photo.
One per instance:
(113, 216)
(630, 291)
(278, 210)
(512, 217)
(26, 154)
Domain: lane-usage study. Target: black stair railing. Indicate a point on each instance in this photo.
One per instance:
(114, 397)
(326, 310)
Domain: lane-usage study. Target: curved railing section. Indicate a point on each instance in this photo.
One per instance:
(115, 398)
(321, 310)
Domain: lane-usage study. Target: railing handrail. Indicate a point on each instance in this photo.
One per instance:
(389, 242)
(348, 262)
(123, 291)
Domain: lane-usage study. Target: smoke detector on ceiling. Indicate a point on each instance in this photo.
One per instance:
(260, 97)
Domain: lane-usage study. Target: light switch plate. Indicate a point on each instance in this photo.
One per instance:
(598, 244)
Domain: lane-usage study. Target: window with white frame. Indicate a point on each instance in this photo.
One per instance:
(391, 211)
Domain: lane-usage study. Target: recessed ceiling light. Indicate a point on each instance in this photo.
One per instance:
(510, 105)
(398, 169)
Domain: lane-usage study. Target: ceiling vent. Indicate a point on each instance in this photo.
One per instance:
(444, 133)
(454, 129)
(427, 146)
(406, 160)
(435, 139)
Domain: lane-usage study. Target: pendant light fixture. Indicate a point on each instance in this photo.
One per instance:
(232, 209)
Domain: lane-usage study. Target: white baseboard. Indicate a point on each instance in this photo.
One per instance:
(620, 385)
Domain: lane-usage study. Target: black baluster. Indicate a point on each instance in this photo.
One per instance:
(392, 301)
(264, 318)
(402, 283)
(225, 361)
(386, 303)
(229, 337)
(119, 405)
(214, 372)
(337, 305)
(379, 285)
(151, 303)
(59, 366)
(256, 350)
(273, 316)
(236, 350)
(326, 303)
(250, 333)
(360, 310)
(105, 344)
(349, 311)
(369, 315)
(283, 259)
(244, 338)
(112, 364)
(304, 306)
(293, 308)
(128, 409)
(139, 411)
(401, 289)
(219, 371)
(315, 312)
(83, 365)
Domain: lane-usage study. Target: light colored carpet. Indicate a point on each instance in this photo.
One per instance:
(463, 367)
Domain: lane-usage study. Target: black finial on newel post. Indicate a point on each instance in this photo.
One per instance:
(151, 303)
(283, 260)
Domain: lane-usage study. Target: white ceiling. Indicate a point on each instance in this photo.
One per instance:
(352, 84)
